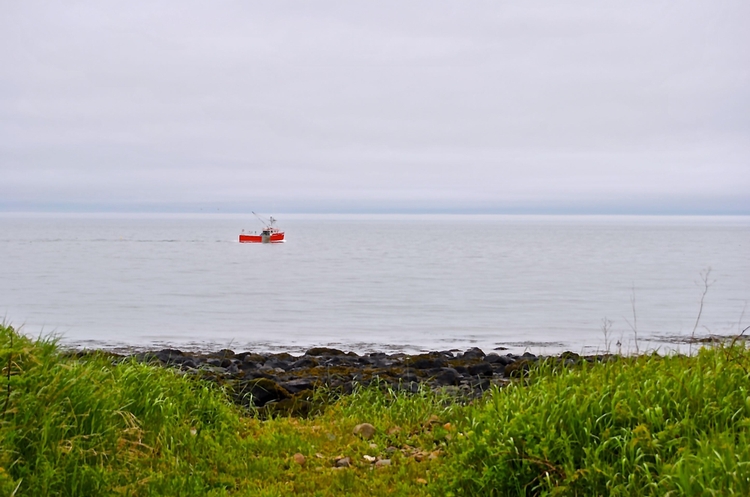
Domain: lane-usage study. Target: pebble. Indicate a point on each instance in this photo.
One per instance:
(365, 430)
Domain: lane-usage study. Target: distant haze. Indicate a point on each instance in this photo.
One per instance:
(498, 107)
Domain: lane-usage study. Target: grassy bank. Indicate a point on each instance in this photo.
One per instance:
(632, 426)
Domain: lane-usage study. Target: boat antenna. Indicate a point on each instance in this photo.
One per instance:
(260, 218)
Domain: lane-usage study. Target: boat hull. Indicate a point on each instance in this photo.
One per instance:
(272, 238)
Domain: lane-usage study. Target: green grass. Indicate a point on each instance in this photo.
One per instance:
(634, 426)
(641, 426)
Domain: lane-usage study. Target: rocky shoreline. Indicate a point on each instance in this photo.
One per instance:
(283, 383)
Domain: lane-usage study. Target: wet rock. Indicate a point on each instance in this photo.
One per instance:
(260, 391)
(492, 358)
(342, 360)
(323, 351)
(446, 376)
(498, 369)
(304, 363)
(480, 385)
(364, 430)
(408, 377)
(502, 359)
(518, 369)
(282, 383)
(189, 363)
(248, 365)
(460, 368)
(225, 354)
(169, 355)
(251, 357)
(482, 368)
(473, 353)
(299, 385)
(426, 361)
(277, 364)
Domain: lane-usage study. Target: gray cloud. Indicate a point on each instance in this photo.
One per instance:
(486, 106)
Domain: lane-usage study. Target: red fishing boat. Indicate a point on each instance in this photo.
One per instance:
(269, 234)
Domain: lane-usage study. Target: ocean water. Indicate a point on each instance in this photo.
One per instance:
(390, 283)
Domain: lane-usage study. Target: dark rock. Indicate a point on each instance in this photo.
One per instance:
(570, 355)
(518, 369)
(225, 354)
(482, 368)
(189, 363)
(248, 366)
(285, 357)
(323, 351)
(277, 364)
(529, 355)
(502, 359)
(303, 363)
(498, 369)
(492, 358)
(299, 385)
(408, 377)
(145, 357)
(481, 385)
(260, 392)
(213, 361)
(250, 357)
(446, 376)
(225, 363)
(341, 360)
(168, 355)
(473, 353)
(426, 361)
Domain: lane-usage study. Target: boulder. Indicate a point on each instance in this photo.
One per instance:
(482, 368)
(426, 361)
(304, 363)
(446, 376)
(323, 351)
(168, 355)
(260, 391)
(493, 358)
(299, 385)
(473, 353)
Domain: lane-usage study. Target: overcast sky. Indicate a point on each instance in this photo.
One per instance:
(498, 107)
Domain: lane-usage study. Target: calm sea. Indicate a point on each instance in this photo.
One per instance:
(362, 283)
